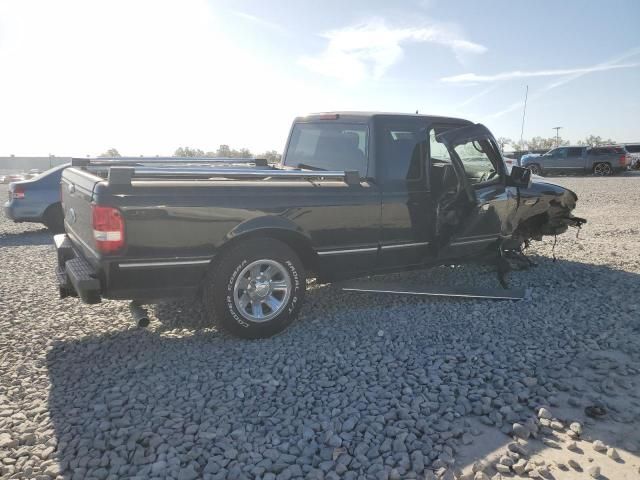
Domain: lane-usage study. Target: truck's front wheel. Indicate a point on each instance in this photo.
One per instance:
(256, 289)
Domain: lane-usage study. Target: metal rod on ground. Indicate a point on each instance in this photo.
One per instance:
(139, 314)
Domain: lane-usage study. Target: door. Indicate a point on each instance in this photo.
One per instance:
(408, 210)
(554, 161)
(484, 207)
(575, 160)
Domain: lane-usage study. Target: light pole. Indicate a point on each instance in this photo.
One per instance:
(557, 129)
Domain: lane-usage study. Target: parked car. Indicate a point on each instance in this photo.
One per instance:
(634, 151)
(12, 177)
(603, 160)
(34, 172)
(355, 194)
(37, 200)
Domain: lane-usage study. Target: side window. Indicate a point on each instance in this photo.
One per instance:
(402, 149)
(476, 156)
(575, 152)
(326, 145)
(561, 152)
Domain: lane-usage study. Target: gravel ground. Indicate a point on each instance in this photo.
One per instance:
(360, 387)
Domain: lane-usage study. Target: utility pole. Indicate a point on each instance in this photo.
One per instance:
(557, 129)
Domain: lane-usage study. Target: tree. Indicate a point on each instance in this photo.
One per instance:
(272, 156)
(502, 141)
(243, 153)
(188, 152)
(594, 141)
(223, 151)
(111, 153)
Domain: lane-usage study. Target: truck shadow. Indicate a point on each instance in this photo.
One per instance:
(28, 237)
(141, 401)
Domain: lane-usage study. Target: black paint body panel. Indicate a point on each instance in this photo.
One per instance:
(172, 222)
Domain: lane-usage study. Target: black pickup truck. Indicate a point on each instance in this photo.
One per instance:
(355, 194)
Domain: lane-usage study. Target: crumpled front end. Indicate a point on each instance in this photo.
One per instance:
(555, 219)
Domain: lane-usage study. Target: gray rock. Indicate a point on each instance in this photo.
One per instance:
(599, 446)
(520, 466)
(7, 442)
(594, 471)
(545, 414)
(188, 473)
(573, 464)
(613, 453)
(576, 428)
(520, 431)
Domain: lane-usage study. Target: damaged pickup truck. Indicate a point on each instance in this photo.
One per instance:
(356, 194)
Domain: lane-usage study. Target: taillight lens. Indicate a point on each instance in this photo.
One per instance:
(17, 192)
(623, 160)
(108, 228)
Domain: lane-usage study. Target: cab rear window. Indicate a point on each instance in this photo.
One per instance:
(329, 146)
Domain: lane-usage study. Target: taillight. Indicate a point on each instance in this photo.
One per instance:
(18, 192)
(108, 228)
(623, 160)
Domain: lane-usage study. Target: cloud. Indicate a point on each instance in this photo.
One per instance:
(369, 49)
(477, 96)
(613, 62)
(261, 22)
(474, 78)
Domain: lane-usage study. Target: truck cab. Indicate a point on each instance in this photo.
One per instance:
(407, 165)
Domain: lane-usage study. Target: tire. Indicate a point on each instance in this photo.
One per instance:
(53, 218)
(535, 169)
(602, 169)
(256, 289)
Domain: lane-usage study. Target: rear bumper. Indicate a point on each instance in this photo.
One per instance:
(21, 213)
(9, 212)
(76, 277)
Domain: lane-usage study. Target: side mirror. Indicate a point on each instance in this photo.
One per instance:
(519, 177)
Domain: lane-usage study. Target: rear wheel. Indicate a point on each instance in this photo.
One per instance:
(535, 169)
(602, 169)
(256, 289)
(53, 218)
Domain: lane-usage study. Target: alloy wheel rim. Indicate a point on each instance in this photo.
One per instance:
(261, 290)
(602, 169)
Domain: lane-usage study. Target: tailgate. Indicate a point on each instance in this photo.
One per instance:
(77, 191)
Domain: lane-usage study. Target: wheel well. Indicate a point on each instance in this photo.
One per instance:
(50, 208)
(532, 227)
(296, 241)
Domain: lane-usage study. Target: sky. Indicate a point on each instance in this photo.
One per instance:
(78, 77)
